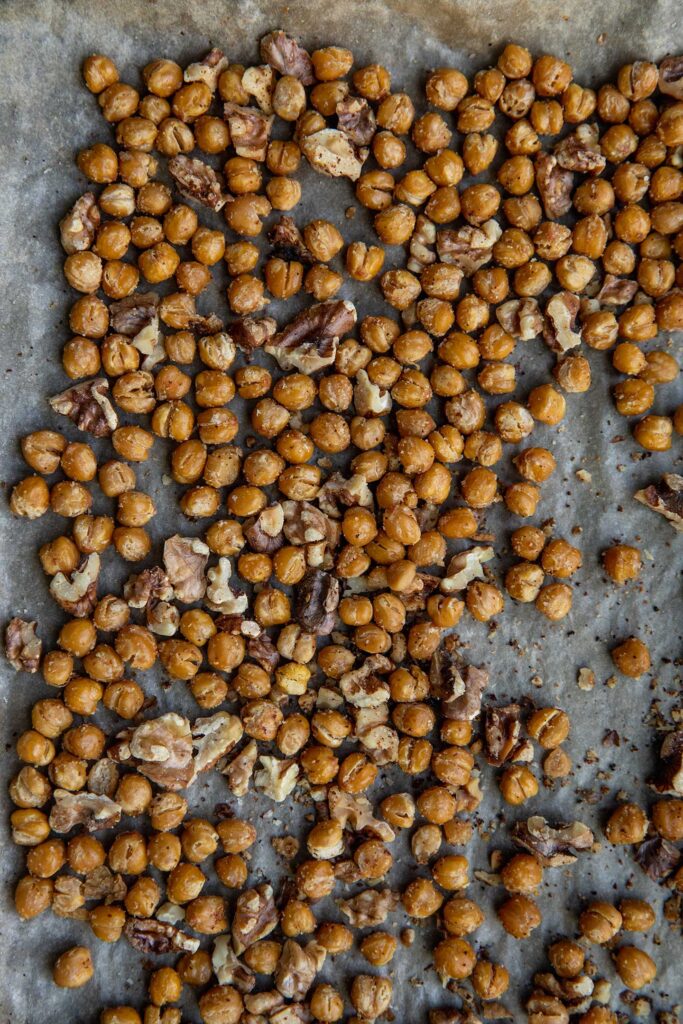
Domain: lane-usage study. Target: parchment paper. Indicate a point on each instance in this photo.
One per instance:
(46, 115)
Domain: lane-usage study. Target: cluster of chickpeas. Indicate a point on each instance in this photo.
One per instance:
(480, 257)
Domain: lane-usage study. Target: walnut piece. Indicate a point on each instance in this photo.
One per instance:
(88, 406)
(303, 523)
(163, 749)
(88, 809)
(361, 686)
(149, 936)
(150, 585)
(251, 333)
(309, 342)
(77, 592)
(230, 970)
(616, 291)
(196, 179)
(521, 318)
(669, 777)
(68, 896)
(295, 972)
(561, 312)
(249, 130)
(185, 559)
(369, 908)
(239, 770)
(316, 602)
(259, 82)
(22, 647)
(421, 246)
(133, 315)
(580, 151)
(288, 242)
(468, 247)
(502, 730)
(284, 54)
(554, 845)
(102, 884)
(356, 119)
(264, 531)
(339, 492)
(78, 228)
(666, 498)
(214, 737)
(220, 595)
(331, 152)
(457, 684)
(355, 812)
(554, 184)
(464, 567)
(208, 69)
(658, 858)
(671, 77)
(370, 399)
(255, 917)
(276, 777)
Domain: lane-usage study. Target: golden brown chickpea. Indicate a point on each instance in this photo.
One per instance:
(74, 968)
(99, 72)
(622, 562)
(567, 958)
(561, 559)
(522, 874)
(631, 657)
(549, 726)
(599, 922)
(30, 498)
(522, 499)
(519, 916)
(635, 968)
(626, 825)
(518, 784)
(654, 433)
(554, 601)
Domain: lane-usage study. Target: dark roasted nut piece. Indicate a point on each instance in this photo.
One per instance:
(658, 858)
(78, 228)
(554, 845)
(249, 130)
(559, 330)
(88, 406)
(22, 647)
(581, 151)
(284, 54)
(197, 180)
(356, 119)
(665, 497)
(502, 730)
(317, 598)
(669, 777)
(87, 809)
(162, 749)
(370, 907)
(671, 77)
(288, 242)
(251, 333)
(149, 936)
(310, 341)
(554, 184)
(456, 683)
(255, 917)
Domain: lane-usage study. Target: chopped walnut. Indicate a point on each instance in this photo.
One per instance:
(665, 497)
(671, 77)
(259, 82)
(196, 179)
(150, 585)
(362, 688)
(288, 242)
(457, 684)
(22, 647)
(464, 567)
(338, 492)
(103, 777)
(149, 936)
(295, 972)
(264, 652)
(422, 242)
(616, 291)
(239, 770)
(78, 228)
(356, 119)
(554, 845)
(377, 738)
(331, 152)
(309, 342)
(284, 54)
(355, 812)
(276, 777)
(468, 247)
(658, 858)
(68, 896)
(251, 332)
(229, 970)
(255, 917)
(249, 130)
(316, 602)
(264, 531)
(77, 592)
(88, 809)
(221, 596)
(521, 318)
(163, 749)
(133, 315)
(208, 69)
(303, 523)
(215, 737)
(88, 406)
(561, 312)
(370, 399)
(103, 885)
(554, 184)
(370, 907)
(580, 151)
(185, 559)
(502, 731)
(669, 777)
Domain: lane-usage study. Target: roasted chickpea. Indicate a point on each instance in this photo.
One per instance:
(631, 657)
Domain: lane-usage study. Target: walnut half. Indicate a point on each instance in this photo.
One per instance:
(22, 647)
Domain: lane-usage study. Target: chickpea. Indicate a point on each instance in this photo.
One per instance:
(631, 657)
(519, 916)
(74, 968)
(635, 968)
(654, 433)
(30, 498)
(667, 818)
(518, 784)
(622, 563)
(637, 915)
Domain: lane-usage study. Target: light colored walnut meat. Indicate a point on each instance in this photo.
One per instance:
(249, 130)
(369, 908)
(554, 184)
(68, 896)
(87, 809)
(616, 291)
(221, 596)
(559, 331)
(238, 772)
(264, 531)
(464, 567)
(521, 318)
(338, 493)
(295, 972)
(362, 687)
(185, 559)
(421, 246)
(303, 523)
(208, 69)
(259, 82)
(580, 151)
(103, 777)
(377, 738)
(468, 247)
(196, 179)
(149, 936)
(78, 228)
(370, 399)
(76, 592)
(163, 749)
(277, 777)
(671, 77)
(309, 342)
(331, 152)
(554, 845)
(22, 647)
(103, 885)
(666, 498)
(150, 585)
(228, 968)
(356, 119)
(214, 737)
(88, 406)
(355, 813)
(285, 55)
(255, 917)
